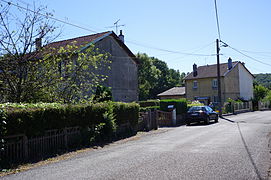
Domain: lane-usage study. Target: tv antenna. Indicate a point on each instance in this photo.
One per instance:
(116, 26)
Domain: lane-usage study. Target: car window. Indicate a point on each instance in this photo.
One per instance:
(197, 108)
(209, 109)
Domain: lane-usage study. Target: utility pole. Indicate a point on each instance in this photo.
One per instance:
(218, 79)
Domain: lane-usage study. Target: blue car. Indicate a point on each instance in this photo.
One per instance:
(201, 113)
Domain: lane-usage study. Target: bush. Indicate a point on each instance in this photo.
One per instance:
(127, 113)
(179, 104)
(152, 108)
(102, 94)
(2, 134)
(194, 103)
(97, 120)
(149, 103)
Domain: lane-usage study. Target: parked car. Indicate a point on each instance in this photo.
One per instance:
(201, 113)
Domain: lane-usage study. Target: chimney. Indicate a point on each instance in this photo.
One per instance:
(38, 43)
(121, 36)
(229, 63)
(195, 70)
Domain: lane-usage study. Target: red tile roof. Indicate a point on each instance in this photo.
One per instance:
(211, 71)
(93, 38)
(80, 41)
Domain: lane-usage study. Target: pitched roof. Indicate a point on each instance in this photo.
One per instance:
(86, 41)
(211, 71)
(175, 91)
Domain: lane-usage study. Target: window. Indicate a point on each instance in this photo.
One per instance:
(214, 83)
(195, 84)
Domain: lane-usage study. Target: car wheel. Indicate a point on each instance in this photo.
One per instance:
(187, 123)
(207, 120)
(216, 119)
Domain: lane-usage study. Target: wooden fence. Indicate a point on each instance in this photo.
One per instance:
(18, 148)
(164, 118)
(152, 119)
(148, 120)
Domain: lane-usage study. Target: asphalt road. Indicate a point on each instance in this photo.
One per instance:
(235, 148)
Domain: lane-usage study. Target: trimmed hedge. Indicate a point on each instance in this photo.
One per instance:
(179, 104)
(152, 108)
(149, 103)
(35, 119)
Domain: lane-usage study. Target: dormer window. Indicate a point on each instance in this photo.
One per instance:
(195, 85)
(214, 83)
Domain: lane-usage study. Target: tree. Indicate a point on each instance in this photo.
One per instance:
(155, 77)
(263, 79)
(148, 76)
(259, 92)
(30, 72)
(102, 94)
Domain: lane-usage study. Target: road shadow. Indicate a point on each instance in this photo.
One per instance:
(227, 119)
(201, 124)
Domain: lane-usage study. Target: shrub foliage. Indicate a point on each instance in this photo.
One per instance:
(98, 120)
(179, 104)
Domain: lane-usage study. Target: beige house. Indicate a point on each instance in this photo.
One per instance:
(173, 93)
(236, 82)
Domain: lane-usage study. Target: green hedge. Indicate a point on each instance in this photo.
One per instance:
(127, 113)
(35, 119)
(149, 103)
(152, 108)
(179, 104)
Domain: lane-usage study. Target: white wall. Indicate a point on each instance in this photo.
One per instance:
(245, 83)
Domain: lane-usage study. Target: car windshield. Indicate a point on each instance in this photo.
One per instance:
(196, 108)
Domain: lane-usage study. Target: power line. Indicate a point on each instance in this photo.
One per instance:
(226, 45)
(197, 50)
(249, 56)
(169, 51)
(55, 19)
(217, 21)
(87, 29)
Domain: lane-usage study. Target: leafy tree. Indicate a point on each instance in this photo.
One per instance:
(263, 79)
(102, 94)
(148, 76)
(259, 92)
(28, 74)
(155, 77)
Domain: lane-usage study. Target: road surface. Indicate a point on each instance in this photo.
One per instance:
(235, 148)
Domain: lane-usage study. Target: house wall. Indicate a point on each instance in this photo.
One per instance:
(205, 89)
(231, 84)
(246, 83)
(123, 75)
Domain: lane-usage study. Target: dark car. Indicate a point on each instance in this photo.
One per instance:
(201, 113)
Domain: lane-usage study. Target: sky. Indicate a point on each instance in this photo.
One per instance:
(179, 32)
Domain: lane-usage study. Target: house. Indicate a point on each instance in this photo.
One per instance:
(236, 82)
(173, 93)
(123, 73)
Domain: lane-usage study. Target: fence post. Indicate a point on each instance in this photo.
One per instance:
(174, 117)
(148, 120)
(156, 120)
(25, 147)
(65, 138)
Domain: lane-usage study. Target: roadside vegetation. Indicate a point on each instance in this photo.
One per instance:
(155, 77)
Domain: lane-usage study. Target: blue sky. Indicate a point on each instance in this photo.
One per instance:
(181, 26)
